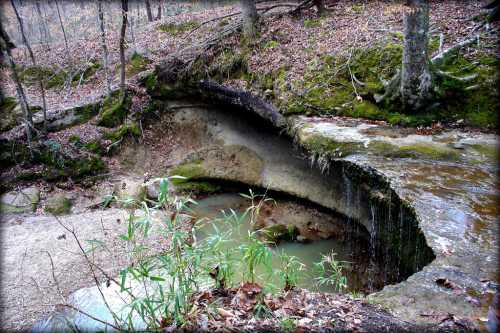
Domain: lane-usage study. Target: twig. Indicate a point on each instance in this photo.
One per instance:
(92, 317)
(54, 277)
(96, 280)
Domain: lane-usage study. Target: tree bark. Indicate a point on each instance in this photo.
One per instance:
(104, 48)
(148, 10)
(62, 28)
(122, 48)
(5, 46)
(416, 78)
(320, 7)
(250, 16)
(33, 61)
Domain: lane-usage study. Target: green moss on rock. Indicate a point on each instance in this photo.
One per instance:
(124, 130)
(136, 64)
(416, 150)
(177, 28)
(318, 143)
(58, 205)
(51, 77)
(113, 112)
(190, 171)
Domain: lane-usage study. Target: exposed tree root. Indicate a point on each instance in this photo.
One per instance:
(442, 56)
(392, 86)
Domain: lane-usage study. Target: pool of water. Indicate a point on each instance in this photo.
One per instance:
(350, 250)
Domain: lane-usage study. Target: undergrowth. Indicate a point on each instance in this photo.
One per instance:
(158, 289)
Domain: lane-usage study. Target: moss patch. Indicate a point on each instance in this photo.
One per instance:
(137, 63)
(177, 29)
(324, 145)
(51, 77)
(124, 130)
(113, 111)
(190, 171)
(8, 117)
(58, 205)
(417, 150)
(490, 151)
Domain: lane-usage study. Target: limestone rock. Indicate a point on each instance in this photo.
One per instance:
(130, 189)
(58, 205)
(20, 201)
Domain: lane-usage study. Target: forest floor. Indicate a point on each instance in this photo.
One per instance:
(285, 41)
(297, 43)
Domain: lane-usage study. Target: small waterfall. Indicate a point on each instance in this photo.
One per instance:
(373, 248)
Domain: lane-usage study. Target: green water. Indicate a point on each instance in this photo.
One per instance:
(213, 208)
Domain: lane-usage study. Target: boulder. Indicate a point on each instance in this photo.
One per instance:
(20, 201)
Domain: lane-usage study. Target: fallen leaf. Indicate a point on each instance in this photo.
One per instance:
(225, 313)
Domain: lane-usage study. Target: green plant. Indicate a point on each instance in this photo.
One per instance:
(261, 310)
(254, 253)
(329, 272)
(288, 324)
(290, 270)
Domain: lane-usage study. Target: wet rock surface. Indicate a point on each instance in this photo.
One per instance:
(450, 181)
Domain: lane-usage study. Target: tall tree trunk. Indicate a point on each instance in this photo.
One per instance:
(42, 26)
(5, 46)
(62, 28)
(122, 48)
(320, 6)
(104, 48)
(158, 14)
(249, 13)
(33, 61)
(416, 78)
(148, 10)
(131, 24)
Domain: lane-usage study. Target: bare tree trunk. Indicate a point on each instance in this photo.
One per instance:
(104, 48)
(122, 48)
(148, 10)
(5, 45)
(132, 33)
(62, 28)
(416, 78)
(158, 14)
(249, 13)
(44, 35)
(33, 61)
(320, 6)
